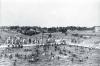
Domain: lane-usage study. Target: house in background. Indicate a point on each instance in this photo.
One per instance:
(97, 28)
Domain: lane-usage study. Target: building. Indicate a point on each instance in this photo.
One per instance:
(97, 28)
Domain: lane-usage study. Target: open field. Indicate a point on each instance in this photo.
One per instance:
(63, 55)
(80, 52)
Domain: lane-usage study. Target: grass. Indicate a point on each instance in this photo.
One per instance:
(70, 55)
(56, 55)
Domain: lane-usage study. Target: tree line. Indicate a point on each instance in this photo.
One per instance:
(32, 30)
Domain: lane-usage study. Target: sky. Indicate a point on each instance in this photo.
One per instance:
(50, 13)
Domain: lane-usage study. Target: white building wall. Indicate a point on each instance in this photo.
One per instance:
(97, 29)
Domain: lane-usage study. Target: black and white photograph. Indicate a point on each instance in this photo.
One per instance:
(49, 32)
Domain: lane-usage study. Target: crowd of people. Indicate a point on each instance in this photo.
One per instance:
(20, 40)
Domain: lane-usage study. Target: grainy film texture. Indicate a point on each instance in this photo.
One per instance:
(49, 33)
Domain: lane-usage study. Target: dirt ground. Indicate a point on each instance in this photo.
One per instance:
(63, 55)
(67, 56)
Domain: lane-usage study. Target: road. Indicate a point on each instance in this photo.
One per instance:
(68, 43)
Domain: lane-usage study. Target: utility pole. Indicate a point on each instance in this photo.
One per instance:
(42, 35)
